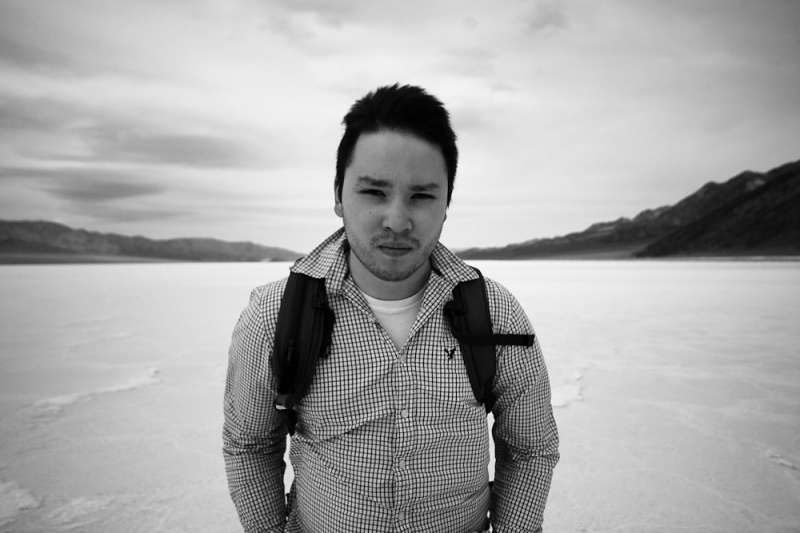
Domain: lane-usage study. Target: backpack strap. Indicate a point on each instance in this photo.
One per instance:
(471, 325)
(302, 334)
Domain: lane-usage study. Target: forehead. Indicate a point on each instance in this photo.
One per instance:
(393, 156)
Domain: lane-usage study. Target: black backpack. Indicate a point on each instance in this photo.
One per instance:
(305, 326)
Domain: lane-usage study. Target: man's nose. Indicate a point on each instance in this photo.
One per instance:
(397, 217)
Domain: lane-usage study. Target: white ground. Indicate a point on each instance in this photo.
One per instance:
(676, 386)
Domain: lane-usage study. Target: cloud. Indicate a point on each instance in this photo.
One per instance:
(32, 114)
(124, 144)
(85, 185)
(51, 37)
(93, 187)
(104, 136)
(333, 12)
(547, 15)
(96, 194)
(301, 21)
(26, 55)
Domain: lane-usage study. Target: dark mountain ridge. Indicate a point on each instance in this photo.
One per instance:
(765, 215)
(45, 242)
(762, 221)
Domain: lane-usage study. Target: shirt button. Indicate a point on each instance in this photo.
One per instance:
(404, 413)
(401, 464)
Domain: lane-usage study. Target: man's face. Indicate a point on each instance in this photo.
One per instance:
(394, 203)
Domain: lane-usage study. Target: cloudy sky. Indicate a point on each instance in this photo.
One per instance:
(221, 118)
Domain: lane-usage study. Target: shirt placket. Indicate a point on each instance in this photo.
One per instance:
(405, 431)
(407, 423)
(403, 392)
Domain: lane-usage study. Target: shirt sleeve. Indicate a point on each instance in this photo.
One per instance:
(254, 436)
(525, 433)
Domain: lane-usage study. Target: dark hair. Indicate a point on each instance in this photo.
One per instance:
(405, 109)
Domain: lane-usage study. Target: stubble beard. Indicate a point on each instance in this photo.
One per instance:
(383, 267)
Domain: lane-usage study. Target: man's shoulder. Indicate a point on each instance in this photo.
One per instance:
(504, 306)
(270, 290)
(496, 290)
(267, 298)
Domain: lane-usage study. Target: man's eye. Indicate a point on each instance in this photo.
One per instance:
(423, 196)
(372, 192)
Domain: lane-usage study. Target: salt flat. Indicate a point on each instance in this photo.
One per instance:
(676, 386)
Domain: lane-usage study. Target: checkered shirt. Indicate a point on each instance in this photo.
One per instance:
(388, 440)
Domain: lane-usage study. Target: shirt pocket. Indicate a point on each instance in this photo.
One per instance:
(443, 376)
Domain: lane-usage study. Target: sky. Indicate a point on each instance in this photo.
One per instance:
(221, 118)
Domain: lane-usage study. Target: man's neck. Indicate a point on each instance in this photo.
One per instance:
(367, 282)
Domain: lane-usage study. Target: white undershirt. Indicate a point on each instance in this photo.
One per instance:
(396, 316)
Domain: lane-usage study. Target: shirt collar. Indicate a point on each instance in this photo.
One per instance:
(328, 260)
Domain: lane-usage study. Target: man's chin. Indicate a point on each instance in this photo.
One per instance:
(390, 264)
(395, 269)
(392, 275)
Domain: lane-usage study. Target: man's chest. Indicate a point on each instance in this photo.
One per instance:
(366, 378)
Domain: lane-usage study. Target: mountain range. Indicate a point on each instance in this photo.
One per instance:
(49, 242)
(751, 214)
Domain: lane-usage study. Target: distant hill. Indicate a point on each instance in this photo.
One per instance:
(752, 213)
(764, 221)
(49, 242)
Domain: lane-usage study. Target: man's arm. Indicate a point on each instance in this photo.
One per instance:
(254, 437)
(525, 433)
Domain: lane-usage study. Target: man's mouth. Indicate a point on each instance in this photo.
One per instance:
(395, 249)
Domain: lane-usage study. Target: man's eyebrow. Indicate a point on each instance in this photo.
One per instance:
(377, 182)
(426, 187)
(373, 182)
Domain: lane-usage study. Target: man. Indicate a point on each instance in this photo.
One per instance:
(390, 436)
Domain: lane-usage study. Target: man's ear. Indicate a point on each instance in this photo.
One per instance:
(337, 198)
